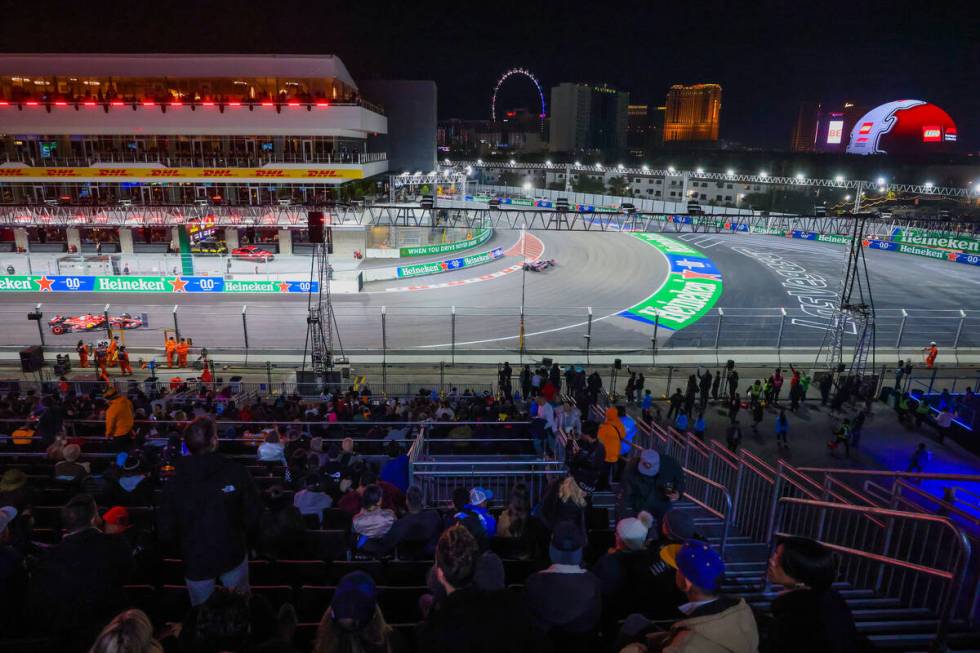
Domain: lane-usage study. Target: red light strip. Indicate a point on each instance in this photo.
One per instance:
(31, 103)
(88, 103)
(323, 104)
(234, 104)
(207, 104)
(60, 103)
(149, 103)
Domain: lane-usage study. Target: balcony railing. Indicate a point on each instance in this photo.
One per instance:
(118, 104)
(198, 161)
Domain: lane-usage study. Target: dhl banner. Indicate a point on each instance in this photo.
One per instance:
(289, 175)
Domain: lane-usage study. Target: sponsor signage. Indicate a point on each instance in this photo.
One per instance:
(178, 284)
(437, 267)
(835, 132)
(692, 287)
(940, 239)
(481, 237)
(163, 174)
(931, 134)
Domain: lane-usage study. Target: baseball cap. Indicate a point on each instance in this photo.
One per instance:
(355, 598)
(7, 515)
(117, 516)
(633, 533)
(480, 495)
(649, 463)
(567, 543)
(71, 452)
(679, 525)
(697, 561)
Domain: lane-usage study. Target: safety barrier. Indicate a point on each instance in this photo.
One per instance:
(438, 478)
(920, 560)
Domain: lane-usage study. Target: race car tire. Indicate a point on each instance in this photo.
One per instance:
(57, 329)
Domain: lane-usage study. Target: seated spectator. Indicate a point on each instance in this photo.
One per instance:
(70, 470)
(13, 576)
(513, 520)
(395, 469)
(354, 622)
(624, 570)
(415, 534)
(463, 515)
(311, 500)
(563, 500)
(391, 497)
(282, 533)
(652, 483)
(348, 457)
(129, 632)
(479, 497)
(809, 616)
(272, 449)
(15, 491)
(222, 623)
(471, 619)
(373, 521)
(565, 597)
(662, 598)
(77, 586)
(133, 487)
(714, 622)
(586, 458)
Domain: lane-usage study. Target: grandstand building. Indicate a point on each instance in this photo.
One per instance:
(159, 130)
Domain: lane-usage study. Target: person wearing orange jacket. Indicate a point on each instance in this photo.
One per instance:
(931, 352)
(119, 419)
(182, 349)
(124, 367)
(112, 354)
(171, 351)
(611, 435)
(82, 350)
(101, 361)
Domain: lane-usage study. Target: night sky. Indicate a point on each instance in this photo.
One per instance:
(768, 56)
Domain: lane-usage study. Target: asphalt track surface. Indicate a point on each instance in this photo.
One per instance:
(605, 271)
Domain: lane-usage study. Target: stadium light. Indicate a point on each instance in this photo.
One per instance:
(479, 162)
(730, 172)
(578, 164)
(671, 169)
(800, 176)
(619, 167)
(548, 162)
(928, 184)
(646, 168)
(977, 188)
(700, 171)
(881, 181)
(763, 174)
(528, 185)
(839, 179)
(847, 198)
(513, 162)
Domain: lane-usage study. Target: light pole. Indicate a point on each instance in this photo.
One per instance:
(523, 286)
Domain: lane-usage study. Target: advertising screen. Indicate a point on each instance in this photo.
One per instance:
(931, 134)
(835, 131)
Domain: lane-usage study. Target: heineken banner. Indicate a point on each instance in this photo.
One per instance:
(690, 290)
(968, 258)
(436, 267)
(179, 284)
(481, 237)
(940, 239)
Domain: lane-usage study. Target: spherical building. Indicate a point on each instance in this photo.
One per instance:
(903, 127)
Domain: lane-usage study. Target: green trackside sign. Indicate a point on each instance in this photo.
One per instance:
(940, 239)
(421, 269)
(692, 287)
(481, 237)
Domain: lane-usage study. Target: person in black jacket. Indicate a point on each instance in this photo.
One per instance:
(415, 533)
(809, 616)
(469, 619)
(77, 587)
(211, 505)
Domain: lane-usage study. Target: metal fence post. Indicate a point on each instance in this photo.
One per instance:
(959, 329)
(901, 329)
(779, 336)
(384, 347)
(653, 340)
(721, 315)
(108, 326)
(588, 340)
(176, 326)
(453, 340)
(245, 331)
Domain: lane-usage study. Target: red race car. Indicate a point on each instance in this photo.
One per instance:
(252, 253)
(91, 321)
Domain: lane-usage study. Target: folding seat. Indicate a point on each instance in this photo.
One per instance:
(262, 572)
(340, 568)
(329, 544)
(304, 636)
(143, 597)
(172, 571)
(173, 603)
(401, 604)
(517, 571)
(401, 573)
(276, 594)
(47, 516)
(301, 572)
(336, 519)
(312, 601)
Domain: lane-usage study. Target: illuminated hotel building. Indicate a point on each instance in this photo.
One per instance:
(693, 113)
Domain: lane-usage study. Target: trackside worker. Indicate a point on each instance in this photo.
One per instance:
(182, 349)
(931, 352)
(82, 350)
(171, 349)
(124, 366)
(101, 360)
(113, 351)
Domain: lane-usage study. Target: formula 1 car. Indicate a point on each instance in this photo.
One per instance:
(539, 266)
(90, 322)
(252, 253)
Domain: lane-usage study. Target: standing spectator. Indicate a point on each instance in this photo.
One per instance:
(129, 632)
(857, 427)
(713, 622)
(733, 436)
(676, 401)
(354, 622)
(704, 388)
(526, 382)
(782, 428)
(653, 482)
(77, 586)
(623, 571)
(809, 616)
(564, 500)
(210, 506)
(681, 423)
(825, 384)
(372, 522)
(554, 377)
(919, 459)
(565, 599)
(470, 619)
(842, 435)
(944, 421)
(646, 404)
(777, 384)
(631, 388)
(569, 419)
(734, 405)
(395, 469)
(504, 380)
(119, 419)
(715, 385)
(641, 383)
(611, 435)
(586, 458)
(513, 520)
(757, 414)
(546, 417)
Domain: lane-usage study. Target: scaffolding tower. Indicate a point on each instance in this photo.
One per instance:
(319, 318)
(854, 315)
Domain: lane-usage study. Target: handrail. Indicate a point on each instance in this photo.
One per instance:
(905, 485)
(893, 474)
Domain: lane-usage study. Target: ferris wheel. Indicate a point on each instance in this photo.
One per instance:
(521, 72)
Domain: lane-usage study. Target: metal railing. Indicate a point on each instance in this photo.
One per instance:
(197, 161)
(438, 478)
(920, 560)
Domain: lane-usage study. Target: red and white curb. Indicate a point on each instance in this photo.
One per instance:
(533, 247)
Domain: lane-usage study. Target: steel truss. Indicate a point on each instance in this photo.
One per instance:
(812, 182)
(406, 216)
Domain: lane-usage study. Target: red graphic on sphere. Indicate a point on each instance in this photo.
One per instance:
(903, 127)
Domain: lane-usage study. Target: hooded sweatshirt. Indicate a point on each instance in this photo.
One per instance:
(611, 433)
(209, 506)
(725, 625)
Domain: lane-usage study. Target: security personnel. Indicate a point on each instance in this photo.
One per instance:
(182, 348)
(171, 351)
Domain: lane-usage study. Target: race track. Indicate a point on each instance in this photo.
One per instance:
(607, 271)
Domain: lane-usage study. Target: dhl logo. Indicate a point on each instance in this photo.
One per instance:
(270, 173)
(60, 172)
(10, 173)
(322, 173)
(216, 173)
(164, 173)
(104, 172)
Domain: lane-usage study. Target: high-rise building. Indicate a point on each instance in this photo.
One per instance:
(588, 118)
(805, 130)
(693, 113)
